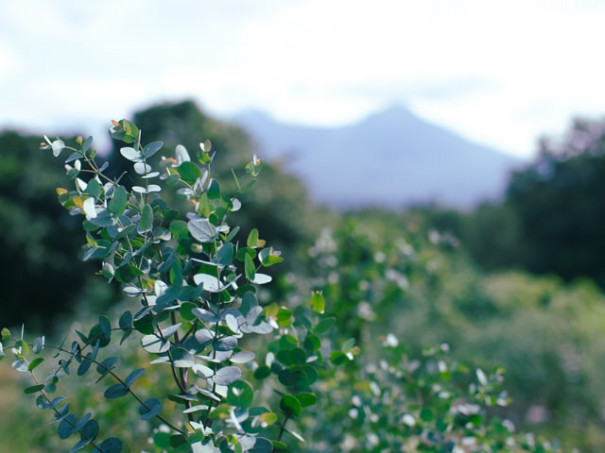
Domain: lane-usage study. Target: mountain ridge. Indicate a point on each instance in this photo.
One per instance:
(391, 158)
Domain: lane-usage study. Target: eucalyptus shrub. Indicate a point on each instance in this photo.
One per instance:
(238, 372)
(195, 288)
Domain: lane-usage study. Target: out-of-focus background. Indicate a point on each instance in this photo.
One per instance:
(472, 130)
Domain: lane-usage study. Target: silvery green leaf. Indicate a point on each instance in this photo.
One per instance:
(203, 178)
(164, 359)
(232, 323)
(202, 230)
(261, 279)
(181, 154)
(182, 358)
(242, 357)
(81, 184)
(159, 287)
(154, 344)
(131, 154)
(209, 394)
(38, 345)
(170, 331)
(203, 337)
(205, 315)
(225, 344)
(89, 208)
(481, 377)
(185, 191)
(142, 168)
(200, 407)
(57, 147)
(227, 375)
(20, 365)
(131, 291)
(206, 146)
(151, 148)
(236, 205)
(202, 371)
(210, 283)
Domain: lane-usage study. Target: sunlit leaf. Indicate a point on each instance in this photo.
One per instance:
(131, 154)
(57, 147)
(209, 282)
(318, 303)
(181, 154)
(154, 344)
(189, 172)
(261, 279)
(202, 230)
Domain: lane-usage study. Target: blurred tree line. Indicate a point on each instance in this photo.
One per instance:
(550, 221)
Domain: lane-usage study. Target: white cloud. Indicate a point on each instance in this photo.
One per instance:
(499, 72)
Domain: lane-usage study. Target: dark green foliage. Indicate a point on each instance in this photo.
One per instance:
(559, 205)
(40, 277)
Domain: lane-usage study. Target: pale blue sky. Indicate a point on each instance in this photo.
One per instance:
(498, 72)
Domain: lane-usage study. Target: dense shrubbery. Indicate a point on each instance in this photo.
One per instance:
(211, 361)
(544, 333)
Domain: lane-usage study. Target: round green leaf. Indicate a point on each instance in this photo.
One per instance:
(116, 391)
(290, 405)
(262, 372)
(146, 221)
(306, 399)
(324, 325)
(66, 427)
(318, 303)
(33, 389)
(150, 409)
(312, 342)
(111, 445)
(189, 172)
(240, 395)
(261, 445)
(134, 376)
(338, 357)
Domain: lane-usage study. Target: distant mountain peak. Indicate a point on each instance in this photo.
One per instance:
(400, 158)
